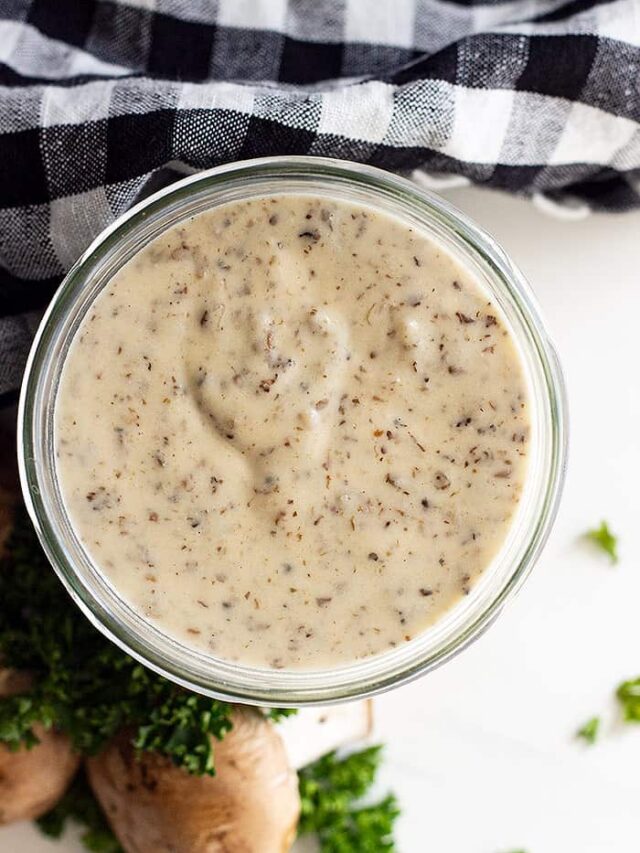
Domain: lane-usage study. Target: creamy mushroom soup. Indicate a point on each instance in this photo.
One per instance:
(292, 431)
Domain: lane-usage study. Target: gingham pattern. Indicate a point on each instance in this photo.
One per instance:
(98, 96)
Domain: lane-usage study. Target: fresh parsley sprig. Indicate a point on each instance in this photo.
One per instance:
(628, 694)
(589, 731)
(604, 539)
(330, 791)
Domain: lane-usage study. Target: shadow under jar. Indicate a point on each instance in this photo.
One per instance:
(292, 431)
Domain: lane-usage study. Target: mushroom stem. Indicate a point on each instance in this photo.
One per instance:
(313, 732)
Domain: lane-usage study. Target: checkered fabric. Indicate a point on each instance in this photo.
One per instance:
(98, 96)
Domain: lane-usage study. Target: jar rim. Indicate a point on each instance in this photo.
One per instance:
(197, 670)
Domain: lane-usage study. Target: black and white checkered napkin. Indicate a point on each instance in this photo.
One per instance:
(98, 96)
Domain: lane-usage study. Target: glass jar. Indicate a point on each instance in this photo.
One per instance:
(200, 671)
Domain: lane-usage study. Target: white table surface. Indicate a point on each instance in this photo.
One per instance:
(481, 753)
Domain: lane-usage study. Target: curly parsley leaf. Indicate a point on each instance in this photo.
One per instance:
(604, 539)
(80, 806)
(589, 731)
(628, 694)
(330, 789)
(83, 684)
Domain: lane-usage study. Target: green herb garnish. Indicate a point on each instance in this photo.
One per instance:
(605, 540)
(589, 732)
(629, 697)
(330, 791)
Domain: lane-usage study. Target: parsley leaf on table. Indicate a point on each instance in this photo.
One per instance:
(605, 540)
(628, 694)
(589, 732)
(330, 789)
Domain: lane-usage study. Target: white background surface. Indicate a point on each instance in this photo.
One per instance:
(482, 752)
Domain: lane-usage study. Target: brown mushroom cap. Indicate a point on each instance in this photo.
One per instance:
(32, 780)
(251, 805)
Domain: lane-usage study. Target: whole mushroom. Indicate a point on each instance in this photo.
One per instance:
(251, 805)
(32, 780)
